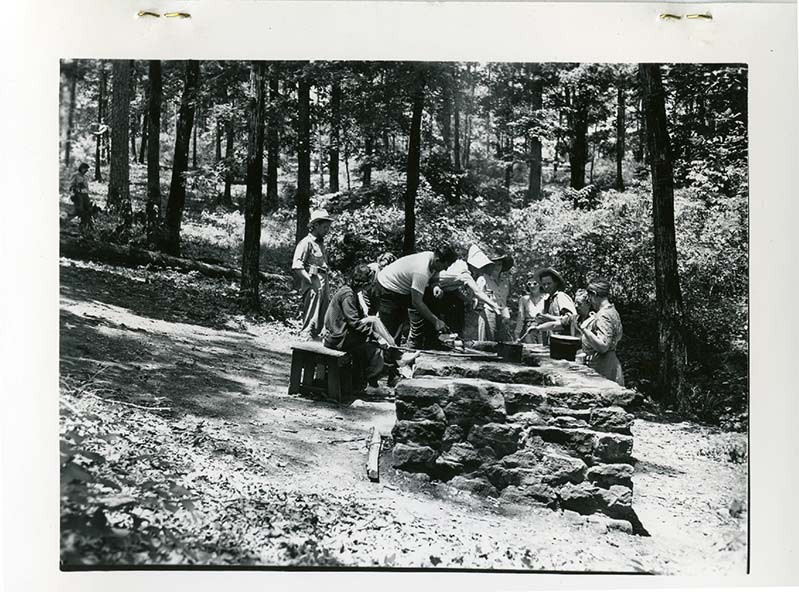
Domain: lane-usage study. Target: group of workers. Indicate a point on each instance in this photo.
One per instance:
(429, 293)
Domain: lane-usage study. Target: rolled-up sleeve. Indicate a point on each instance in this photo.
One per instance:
(300, 255)
(603, 330)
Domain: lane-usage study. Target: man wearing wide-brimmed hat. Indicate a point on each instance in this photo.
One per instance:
(558, 303)
(310, 268)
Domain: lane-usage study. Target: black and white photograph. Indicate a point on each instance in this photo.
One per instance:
(391, 315)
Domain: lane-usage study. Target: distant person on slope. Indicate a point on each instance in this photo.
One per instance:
(79, 193)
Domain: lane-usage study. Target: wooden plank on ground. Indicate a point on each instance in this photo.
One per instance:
(373, 462)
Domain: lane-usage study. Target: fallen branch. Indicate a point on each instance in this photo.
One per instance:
(92, 250)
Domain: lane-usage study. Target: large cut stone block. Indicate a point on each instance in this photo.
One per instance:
(587, 444)
(420, 433)
(502, 438)
(611, 419)
(579, 440)
(412, 458)
(428, 365)
(524, 458)
(613, 448)
(587, 498)
(590, 397)
(452, 435)
(409, 411)
(473, 401)
(557, 469)
(474, 485)
(540, 494)
(551, 468)
(421, 392)
(565, 421)
(527, 418)
(524, 397)
(461, 457)
(611, 474)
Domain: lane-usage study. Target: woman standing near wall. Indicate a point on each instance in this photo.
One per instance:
(602, 333)
(531, 304)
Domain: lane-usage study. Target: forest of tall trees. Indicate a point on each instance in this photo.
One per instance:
(638, 173)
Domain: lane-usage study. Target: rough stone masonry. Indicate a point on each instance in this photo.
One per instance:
(544, 432)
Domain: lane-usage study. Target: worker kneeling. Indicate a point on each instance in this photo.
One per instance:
(346, 328)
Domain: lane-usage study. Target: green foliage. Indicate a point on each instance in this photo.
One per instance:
(359, 236)
(613, 240)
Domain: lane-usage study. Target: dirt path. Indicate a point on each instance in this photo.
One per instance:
(281, 480)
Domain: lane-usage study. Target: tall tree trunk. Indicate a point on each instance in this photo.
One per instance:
(366, 166)
(446, 118)
(227, 197)
(194, 146)
(672, 346)
(536, 103)
(467, 148)
(133, 131)
(558, 148)
(414, 149)
(456, 145)
(335, 135)
(218, 140)
(578, 151)
(303, 198)
(144, 137)
(105, 144)
(177, 187)
(620, 124)
(134, 117)
(507, 154)
(71, 71)
(153, 207)
(250, 276)
(98, 138)
(272, 137)
(347, 165)
(119, 178)
(640, 147)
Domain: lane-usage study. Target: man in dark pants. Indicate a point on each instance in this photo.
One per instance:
(401, 287)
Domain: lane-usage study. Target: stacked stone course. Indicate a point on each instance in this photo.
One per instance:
(545, 432)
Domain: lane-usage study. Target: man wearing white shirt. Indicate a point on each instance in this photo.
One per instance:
(401, 286)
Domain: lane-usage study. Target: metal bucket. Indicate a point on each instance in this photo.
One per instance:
(563, 347)
(510, 352)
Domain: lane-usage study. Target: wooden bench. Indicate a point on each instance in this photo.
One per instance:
(306, 358)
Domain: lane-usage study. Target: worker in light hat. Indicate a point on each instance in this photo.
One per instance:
(311, 270)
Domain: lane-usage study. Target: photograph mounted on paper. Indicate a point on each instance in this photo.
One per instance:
(429, 315)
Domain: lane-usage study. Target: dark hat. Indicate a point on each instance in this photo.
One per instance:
(482, 256)
(507, 260)
(553, 273)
